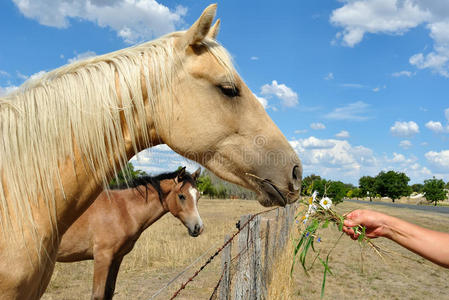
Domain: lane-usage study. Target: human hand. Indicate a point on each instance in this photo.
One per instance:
(374, 222)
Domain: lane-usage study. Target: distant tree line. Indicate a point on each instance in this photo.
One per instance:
(214, 187)
(391, 184)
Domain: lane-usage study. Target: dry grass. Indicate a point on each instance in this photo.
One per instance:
(165, 249)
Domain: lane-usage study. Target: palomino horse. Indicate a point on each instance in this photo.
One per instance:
(110, 227)
(64, 135)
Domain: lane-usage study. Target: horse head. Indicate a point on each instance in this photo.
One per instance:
(217, 121)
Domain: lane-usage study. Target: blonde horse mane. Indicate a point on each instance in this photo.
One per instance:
(81, 103)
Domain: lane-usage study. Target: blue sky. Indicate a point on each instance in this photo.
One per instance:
(356, 86)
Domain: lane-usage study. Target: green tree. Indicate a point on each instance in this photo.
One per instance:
(447, 186)
(392, 184)
(434, 190)
(367, 187)
(306, 189)
(418, 187)
(126, 174)
(205, 186)
(337, 190)
(354, 193)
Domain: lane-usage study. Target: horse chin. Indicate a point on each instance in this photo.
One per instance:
(270, 195)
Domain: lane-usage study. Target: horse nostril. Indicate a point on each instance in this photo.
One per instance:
(296, 173)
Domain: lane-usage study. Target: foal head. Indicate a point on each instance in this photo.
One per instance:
(182, 200)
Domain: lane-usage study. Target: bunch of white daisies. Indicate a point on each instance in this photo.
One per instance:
(315, 204)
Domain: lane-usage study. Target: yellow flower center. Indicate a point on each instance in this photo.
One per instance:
(310, 200)
(325, 202)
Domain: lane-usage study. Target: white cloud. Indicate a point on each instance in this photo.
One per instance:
(254, 58)
(354, 112)
(335, 159)
(81, 56)
(446, 114)
(133, 20)
(22, 76)
(342, 134)
(406, 144)
(160, 159)
(262, 101)
(358, 17)
(339, 160)
(403, 73)
(400, 158)
(376, 89)
(288, 97)
(4, 73)
(394, 17)
(438, 160)
(300, 131)
(404, 129)
(317, 126)
(7, 89)
(436, 127)
(329, 76)
(314, 143)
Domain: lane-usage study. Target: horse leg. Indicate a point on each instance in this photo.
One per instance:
(102, 264)
(112, 278)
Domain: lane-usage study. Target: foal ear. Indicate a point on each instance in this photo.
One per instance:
(196, 174)
(198, 31)
(181, 174)
(213, 32)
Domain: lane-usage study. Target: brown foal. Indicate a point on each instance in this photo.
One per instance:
(110, 227)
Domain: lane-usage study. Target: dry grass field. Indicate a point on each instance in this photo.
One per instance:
(165, 249)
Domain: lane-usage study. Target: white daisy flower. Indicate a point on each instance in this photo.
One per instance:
(326, 203)
(312, 209)
(315, 193)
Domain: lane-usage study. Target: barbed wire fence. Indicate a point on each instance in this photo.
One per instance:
(247, 274)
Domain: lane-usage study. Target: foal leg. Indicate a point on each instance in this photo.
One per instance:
(102, 264)
(112, 278)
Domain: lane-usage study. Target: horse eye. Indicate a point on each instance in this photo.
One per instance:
(229, 90)
(182, 197)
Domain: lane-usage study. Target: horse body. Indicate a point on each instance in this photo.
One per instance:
(64, 136)
(110, 227)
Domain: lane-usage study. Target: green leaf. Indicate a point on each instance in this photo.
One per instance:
(340, 224)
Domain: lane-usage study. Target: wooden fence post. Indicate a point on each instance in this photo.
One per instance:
(225, 284)
(242, 276)
(275, 236)
(255, 260)
(267, 261)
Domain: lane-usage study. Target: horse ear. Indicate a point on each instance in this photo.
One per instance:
(213, 32)
(196, 174)
(198, 31)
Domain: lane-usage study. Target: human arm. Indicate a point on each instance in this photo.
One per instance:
(430, 244)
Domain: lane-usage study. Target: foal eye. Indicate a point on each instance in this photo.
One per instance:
(182, 197)
(229, 90)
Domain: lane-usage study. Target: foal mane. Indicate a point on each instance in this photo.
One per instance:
(154, 181)
(81, 107)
